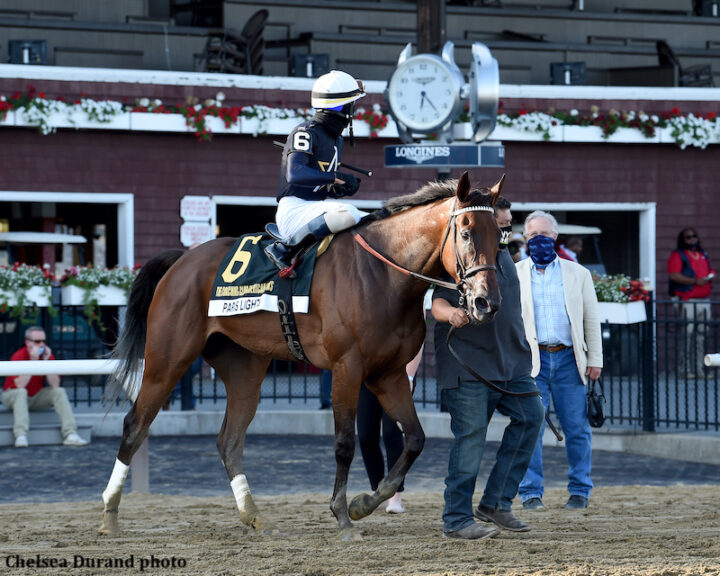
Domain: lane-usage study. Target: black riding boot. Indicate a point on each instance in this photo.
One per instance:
(279, 254)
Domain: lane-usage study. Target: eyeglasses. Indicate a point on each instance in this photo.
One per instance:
(690, 236)
(37, 341)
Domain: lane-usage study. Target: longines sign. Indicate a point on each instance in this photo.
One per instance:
(444, 155)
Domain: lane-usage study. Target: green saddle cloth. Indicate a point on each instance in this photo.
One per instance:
(247, 280)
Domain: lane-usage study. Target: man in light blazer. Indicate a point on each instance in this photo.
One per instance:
(559, 309)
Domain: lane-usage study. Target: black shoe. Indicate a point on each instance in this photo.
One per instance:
(503, 518)
(533, 504)
(279, 254)
(324, 406)
(577, 502)
(473, 532)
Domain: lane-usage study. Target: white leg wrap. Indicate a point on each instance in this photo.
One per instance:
(246, 505)
(111, 494)
(240, 488)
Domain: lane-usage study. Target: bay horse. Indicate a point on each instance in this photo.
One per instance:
(365, 323)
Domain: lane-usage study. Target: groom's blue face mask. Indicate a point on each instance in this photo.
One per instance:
(541, 250)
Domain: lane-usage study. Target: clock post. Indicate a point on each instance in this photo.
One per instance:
(426, 94)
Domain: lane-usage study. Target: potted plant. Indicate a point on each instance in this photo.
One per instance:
(90, 287)
(620, 300)
(23, 288)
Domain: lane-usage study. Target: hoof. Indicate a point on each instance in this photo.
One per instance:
(262, 526)
(359, 507)
(351, 535)
(110, 523)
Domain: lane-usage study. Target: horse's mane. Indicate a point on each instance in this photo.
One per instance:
(429, 193)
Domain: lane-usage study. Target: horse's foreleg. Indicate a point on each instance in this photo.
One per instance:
(344, 452)
(394, 395)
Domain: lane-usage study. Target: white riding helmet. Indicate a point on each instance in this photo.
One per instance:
(335, 89)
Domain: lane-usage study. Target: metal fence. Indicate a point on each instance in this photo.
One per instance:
(653, 375)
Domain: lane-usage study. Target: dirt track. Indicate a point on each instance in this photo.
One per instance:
(638, 531)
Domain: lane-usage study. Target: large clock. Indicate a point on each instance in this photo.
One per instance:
(423, 92)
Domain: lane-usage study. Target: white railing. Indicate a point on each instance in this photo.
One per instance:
(140, 476)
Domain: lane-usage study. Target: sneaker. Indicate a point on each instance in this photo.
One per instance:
(394, 504)
(503, 518)
(577, 502)
(473, 532)
(21, 441)
(533, 504)
(73, 439)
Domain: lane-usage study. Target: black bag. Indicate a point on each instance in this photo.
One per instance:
(595, 404)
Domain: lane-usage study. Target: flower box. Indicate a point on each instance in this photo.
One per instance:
(217, 126)
(622, 313)
(582, 134)
(38, 295)
(9, 119)
(511, 134)
(632, 136)
(256, 126)
(106, 296)
(158, 122)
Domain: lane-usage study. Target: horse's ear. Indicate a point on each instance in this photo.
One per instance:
(496, 190)
(463, 188)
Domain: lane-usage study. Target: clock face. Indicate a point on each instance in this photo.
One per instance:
(423, 93)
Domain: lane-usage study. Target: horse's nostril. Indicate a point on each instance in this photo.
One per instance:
(481, 304)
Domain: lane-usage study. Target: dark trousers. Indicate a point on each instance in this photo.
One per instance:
(370, 415)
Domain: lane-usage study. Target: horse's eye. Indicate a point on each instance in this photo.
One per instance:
(465, 234)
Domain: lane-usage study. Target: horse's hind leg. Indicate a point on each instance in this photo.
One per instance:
(394, 394)
(242, 373)
(158, 381)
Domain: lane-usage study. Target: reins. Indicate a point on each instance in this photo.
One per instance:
(360, 240)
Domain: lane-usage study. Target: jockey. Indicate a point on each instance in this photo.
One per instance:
(310, 183)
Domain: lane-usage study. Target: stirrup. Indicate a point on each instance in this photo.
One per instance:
(279, 254)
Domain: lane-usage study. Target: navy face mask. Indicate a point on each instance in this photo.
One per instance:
(541, 250)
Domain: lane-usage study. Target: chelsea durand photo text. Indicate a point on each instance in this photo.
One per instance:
(139, 563)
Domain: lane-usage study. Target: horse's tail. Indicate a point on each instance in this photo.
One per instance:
(130, 347)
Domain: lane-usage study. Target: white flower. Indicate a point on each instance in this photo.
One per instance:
(156, 103)
(574, 112)
(220, 96)
(144, 102)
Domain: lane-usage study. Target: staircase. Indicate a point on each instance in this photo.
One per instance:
(44, 428)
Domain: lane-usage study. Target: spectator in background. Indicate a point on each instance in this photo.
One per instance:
(517, 247)
(560, 312)
(371, 418)
(571, 248)
(24, 393)
(690, 276)
(325, 390)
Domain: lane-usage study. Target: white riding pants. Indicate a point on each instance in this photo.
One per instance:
(293, 213)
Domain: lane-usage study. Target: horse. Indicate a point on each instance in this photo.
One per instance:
(365, 322)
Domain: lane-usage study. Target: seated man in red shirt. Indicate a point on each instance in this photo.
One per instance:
(690, 275)
(24, 393)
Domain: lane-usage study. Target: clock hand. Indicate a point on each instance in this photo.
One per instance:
(429, 102)
(422, 99)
